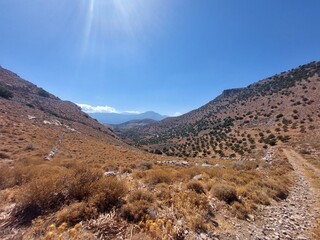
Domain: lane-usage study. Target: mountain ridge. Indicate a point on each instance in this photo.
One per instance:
(36, 98)
(119, 118)
(59, 167)
(218, 121)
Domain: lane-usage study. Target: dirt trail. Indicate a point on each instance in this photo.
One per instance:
(296, 158)
(294, 218)
(312, 176)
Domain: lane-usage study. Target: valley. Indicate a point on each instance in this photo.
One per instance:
(244, 166)
(240, 122)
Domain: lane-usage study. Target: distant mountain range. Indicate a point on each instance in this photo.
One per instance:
(119, 118)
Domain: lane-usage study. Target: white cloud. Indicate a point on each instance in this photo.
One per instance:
(176, 114)
(102, 109)
(97, 109)
(132, 112)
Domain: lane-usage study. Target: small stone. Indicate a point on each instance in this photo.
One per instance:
(203, 236)
(179, 223)
(110, 173)
(197, 177)
(251, 217)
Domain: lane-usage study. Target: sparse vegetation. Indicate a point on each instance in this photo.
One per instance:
(43, 93)
(5, 93)
(59, 186)
(196, 186)
(225, 193)
(139, 202)
(222, 162)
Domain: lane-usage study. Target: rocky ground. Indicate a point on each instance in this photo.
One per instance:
(293, 218)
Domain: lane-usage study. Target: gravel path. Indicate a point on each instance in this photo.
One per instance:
(292, 218)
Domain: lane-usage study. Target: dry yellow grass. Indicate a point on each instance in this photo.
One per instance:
(158, 200)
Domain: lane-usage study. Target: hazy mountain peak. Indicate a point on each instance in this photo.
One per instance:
(119, 118)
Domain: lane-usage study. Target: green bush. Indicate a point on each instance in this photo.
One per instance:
(43, 93)
(5, 93)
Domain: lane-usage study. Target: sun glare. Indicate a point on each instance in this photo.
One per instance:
(109, 20)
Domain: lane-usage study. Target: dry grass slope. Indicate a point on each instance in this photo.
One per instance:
(96, 186)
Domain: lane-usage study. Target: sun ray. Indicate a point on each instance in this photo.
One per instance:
(116, 26)
(88, 25)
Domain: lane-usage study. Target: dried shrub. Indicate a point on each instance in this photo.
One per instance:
(63, 232)
(4, 155)
(11, 177)
(188, 173)
(30, 147)
(108, 193)
(140, 236)
(163, 192)
(196, 186)
(246, 165)
(241, 178)
(126, 170)
(49, 192)
(194, 210)
(254, 194)
(106, 226)
(160, 176)
(75, 213)
(189, 203)
(140, 195)
(23, 173)
(40, 196)
(139, 175)
(239, 210)
(225, 193)
(146, 165)
(137, 211)
(276, 190)
(198, 225)
(81, 181)
(305, 152)
(4, 178)
(137, 208)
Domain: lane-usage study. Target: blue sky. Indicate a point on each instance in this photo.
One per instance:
(164, 55)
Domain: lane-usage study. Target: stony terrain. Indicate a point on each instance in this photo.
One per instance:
(65, 176)
(293, 218)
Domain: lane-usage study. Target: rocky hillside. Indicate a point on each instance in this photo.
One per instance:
(131, 124)
(16, 89)
(65, 176)
(240, 121)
